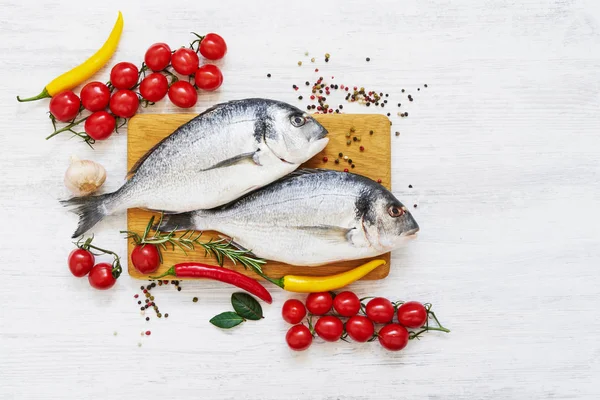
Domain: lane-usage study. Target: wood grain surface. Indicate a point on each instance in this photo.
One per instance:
(144, 131)
(501, 150)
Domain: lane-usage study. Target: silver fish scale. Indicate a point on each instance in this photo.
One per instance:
(302, 220)
(222, 154)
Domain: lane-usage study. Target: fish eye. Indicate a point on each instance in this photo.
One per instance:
(395, 211)
(298, 121)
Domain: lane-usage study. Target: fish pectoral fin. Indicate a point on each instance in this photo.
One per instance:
(331, 233)
(239, 159)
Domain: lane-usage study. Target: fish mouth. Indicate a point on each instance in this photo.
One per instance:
(410, 232)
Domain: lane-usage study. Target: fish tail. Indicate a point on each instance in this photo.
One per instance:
(91, 210)
(177, 222)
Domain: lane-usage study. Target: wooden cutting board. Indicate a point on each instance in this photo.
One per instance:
(145, 130)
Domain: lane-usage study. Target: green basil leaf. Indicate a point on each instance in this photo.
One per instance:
(226, 320)
(246, 306)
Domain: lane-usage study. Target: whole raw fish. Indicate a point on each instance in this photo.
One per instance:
(310, 217)
(220, 155)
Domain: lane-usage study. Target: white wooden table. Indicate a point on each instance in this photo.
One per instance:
(502, 150)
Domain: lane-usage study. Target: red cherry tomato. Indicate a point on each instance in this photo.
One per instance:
(124, 103)
(360, 328)
(100, 125)
(95, 96)
(213, 46)
(124, 75)
(158, 56)
(412, 314)
(299, 338)
(346, 304)
(185, 61)
(145, 258)
(64, 106)
(209, 77)
(183, 94)
(154, 87)
(380, 310)
(319, 303)
(101, 276)
(80, 262)
(329, 328)
(393, 337)
(293, 311)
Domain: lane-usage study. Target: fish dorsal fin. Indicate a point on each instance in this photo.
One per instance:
(143, 158)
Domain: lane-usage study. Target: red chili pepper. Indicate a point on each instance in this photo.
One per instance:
(199, 270)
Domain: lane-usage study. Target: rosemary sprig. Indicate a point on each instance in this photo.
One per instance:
(189, 240)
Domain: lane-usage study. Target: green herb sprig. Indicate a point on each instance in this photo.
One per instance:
(189, 240)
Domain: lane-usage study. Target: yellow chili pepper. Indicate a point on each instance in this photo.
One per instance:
(312, 284)
(84, 71)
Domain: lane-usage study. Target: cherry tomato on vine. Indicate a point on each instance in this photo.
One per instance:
(183, 94)
(293, 311)
(393, 337)
(64, 106)
(154, 87)
(412, 314)
(101, 276)
(329, 328)
(298, 337)
(346, 304)
(209, 77)
(100, 125)
(185, 61)
(319, 303)
(124, 75)
(80, 262)
(360, 328)
(145, 258)
(380, 310)
(158, 56)
(213, 46)
(95, 96)
(124, 103)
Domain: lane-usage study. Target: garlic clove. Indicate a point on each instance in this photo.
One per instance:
(84, 177)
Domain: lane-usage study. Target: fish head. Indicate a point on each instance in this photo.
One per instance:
(293, 135)
(386, 222)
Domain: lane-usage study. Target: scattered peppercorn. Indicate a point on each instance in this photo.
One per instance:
(352, 165)
(349, 161)
(355, 138)
(337, 160)
(167, 315)
(378, 180)
(402, 90)
(325, 159)
(425, 85)
(312, 59)
(268, 75)
(345, 169)
(388, 114)
(349, 142)
(147, 318)
(299, 97)
(410, 186)
(148, 333)
(371, 132)
(195, 299)
(397, 133)
(299, 63)
(341, 154)
(179, 289)
(362, 148)
(418, 89)
(368, 59)
(414, 205)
